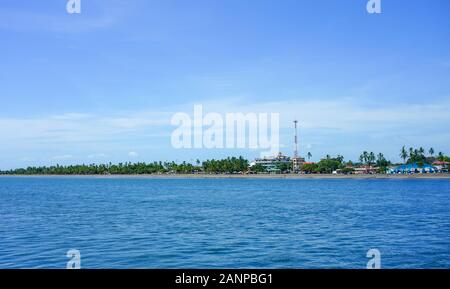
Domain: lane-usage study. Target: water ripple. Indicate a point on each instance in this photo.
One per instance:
(145, 223)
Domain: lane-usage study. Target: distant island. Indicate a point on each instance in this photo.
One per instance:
(416, 161)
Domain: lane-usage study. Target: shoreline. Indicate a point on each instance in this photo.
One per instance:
(261, 177)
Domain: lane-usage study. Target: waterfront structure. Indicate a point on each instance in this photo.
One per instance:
(413, 169)
(297, 163)
(272, 164)
(442, 166)
(365, 170)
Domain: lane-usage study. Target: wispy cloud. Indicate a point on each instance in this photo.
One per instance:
(97, 156)
(26, 159)
(101, 15)
(62, 157)
(133, 154)
(345, 114)
(326, 125)
(80, 127)
(71, 116)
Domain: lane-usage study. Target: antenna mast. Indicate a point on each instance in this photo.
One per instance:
(295, 140)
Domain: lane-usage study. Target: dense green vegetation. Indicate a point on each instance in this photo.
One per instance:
(230, 166)
(419, 156)
(233, 165)
(258, 169)
(328, 165)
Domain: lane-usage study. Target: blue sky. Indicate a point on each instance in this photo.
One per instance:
(102, 86)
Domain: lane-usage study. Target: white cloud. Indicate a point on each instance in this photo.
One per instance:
(348, 125)
(323, 122)
(133, 154)
(97, 156)
(78, 127)
(62, 157)
(343, 115)
(133, 122)
(71, 116)
(26, 159)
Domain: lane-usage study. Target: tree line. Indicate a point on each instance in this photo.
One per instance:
(235, 165)
(231, 165)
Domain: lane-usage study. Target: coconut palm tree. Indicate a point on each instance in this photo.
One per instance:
(421, 151)
(404, 154)
(380, 156)
(431, 152)
(309, 155)
(382, 162)
(365, 156)
(371, 159)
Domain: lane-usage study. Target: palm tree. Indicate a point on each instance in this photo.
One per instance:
(404, 154)
(309, 155)
(421, 151)
(441, 156)
(365, 157)
(380, 156)
(370, 159)
(431, 151)
(382, 161)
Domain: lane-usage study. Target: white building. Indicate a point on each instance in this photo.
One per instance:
(272, 162)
